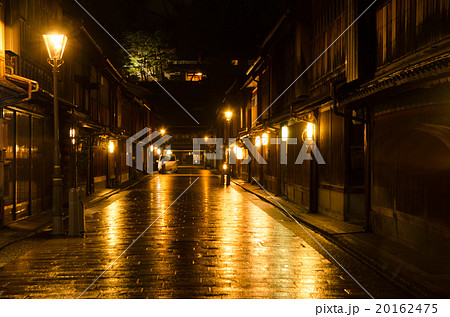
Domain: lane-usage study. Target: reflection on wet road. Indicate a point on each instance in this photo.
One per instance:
(214, 242)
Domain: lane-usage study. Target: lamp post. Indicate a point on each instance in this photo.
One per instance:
(204, 154)
(228, 116)
(56, 44)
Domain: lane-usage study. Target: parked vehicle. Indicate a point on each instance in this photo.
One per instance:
(167, 163)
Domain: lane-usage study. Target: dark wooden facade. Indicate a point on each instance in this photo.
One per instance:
(377, 94)
(94, 101)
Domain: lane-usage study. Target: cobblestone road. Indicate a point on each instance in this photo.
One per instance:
(214, 242)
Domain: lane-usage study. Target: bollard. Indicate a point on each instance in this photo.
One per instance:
(74, 228)
(81, 215)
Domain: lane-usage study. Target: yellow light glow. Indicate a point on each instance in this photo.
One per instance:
(163, 131)
(310, 128)
(284, 133)
(72, 132)
(158, 151)
(265, 139)
(228, 115)
(240, 153)
(111, 147)
(206, 139)
(168, 152)
(235, 149)
(258, 141)
(73, 141)
(225, 166)
(56, 43)
(151, 148)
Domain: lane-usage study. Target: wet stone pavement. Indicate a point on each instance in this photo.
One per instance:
(213, 242)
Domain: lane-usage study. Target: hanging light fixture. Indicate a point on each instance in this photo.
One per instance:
(265, 139)
(258, 141)
(111, 146)
(310, 131)
(284, 133)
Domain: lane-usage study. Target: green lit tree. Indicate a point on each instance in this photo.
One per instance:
(150, 55)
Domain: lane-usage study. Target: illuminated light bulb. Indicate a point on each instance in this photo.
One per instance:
(258, 141)
(310, 130)
(265, 139)
(111, 147)
(284, 133)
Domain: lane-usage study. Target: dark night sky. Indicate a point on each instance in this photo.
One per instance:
(215, 28)
(219, 30)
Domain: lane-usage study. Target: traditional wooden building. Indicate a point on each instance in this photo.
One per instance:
(370, 80)
(97, 110)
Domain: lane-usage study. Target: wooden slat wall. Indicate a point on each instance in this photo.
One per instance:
(411, 169)
(403, 26)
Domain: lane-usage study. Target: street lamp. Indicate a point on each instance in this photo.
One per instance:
(56, 43)
(163, 132)
(228, 115)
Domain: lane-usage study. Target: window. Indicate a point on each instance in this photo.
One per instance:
(195, 76)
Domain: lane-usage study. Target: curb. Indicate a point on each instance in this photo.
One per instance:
(405, 283)
(89, 204)
(29, 235)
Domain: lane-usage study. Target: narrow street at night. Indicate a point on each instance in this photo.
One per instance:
(247, 150)
(213, 242)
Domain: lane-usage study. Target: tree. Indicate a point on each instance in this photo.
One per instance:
(150, 55)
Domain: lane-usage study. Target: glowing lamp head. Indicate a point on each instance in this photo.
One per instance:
(258, 141)
(284, 133)
(206, 139)
(228, 115)
(265, 139)
(158, 151)
(163, 131)
(310, 129)
(240, 153)
(55, 43)
(111, 146)
(225, 167)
